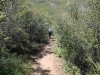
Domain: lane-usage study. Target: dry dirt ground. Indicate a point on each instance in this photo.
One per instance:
(47, 63)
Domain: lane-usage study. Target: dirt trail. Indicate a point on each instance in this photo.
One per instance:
(48, 63)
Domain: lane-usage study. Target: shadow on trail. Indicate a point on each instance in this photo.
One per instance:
(42, 51)
(39, 54)
(40, 71)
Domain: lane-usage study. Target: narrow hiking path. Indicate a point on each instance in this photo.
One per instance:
(48, 63)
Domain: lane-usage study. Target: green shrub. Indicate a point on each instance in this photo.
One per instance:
(77, 35)
(10, 64)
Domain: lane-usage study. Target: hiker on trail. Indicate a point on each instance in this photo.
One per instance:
(50, 32)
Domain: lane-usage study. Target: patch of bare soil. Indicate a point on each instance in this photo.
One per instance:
(47, 63)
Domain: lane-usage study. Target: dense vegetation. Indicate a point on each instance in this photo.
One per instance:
(24, 24)
(78, 35)
(22, 30)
